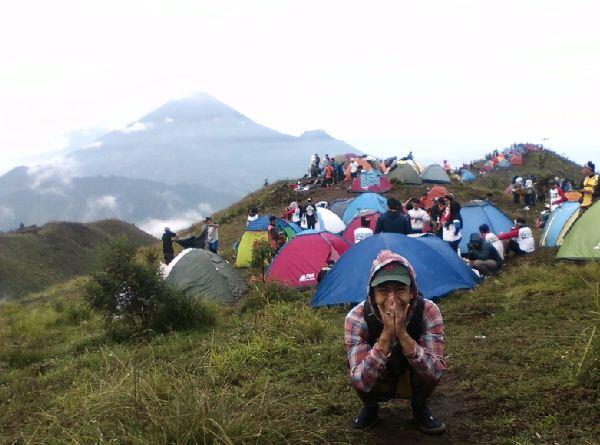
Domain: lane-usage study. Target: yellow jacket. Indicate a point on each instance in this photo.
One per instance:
(589, 185)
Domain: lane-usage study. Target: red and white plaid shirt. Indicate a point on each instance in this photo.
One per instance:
(368, 363)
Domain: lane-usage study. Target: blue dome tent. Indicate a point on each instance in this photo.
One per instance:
(366, 201)
(438, 269)
(467, 176)
(477, 212)
(560, 221)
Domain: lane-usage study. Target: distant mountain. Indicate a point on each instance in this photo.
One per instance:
(32, 259)
(36, 197)
(188, 157)
(199, 140)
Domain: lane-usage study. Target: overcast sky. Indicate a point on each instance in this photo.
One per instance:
(443, 78)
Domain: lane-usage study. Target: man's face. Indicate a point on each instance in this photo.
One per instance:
(416, 206)
(586, 171)
(390, 291)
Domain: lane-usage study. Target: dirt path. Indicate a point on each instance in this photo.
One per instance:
(398, 427)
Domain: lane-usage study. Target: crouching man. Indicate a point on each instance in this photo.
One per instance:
(395, 344)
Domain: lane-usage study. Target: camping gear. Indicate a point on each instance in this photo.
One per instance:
(438, 269)
(373, 216)
(435, 192)
(255, 231)
(201, 273)
(299, 261)
(467, 176)
(573, 196)
(289, 228)
(435, 174)
(192, 242)
(477, 212)
(559, 223)
(338, 206)
(329, 221)
(366, 201)
(370, 181)
(405, 173)
(582, 242)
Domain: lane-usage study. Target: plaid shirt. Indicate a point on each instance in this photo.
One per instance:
(368, 363)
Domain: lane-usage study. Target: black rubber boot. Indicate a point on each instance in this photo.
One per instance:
(366, 418)
(427, 422)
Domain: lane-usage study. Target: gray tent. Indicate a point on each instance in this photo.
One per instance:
(406, 174)
(201, 273)
(435, 174)
(338, 206)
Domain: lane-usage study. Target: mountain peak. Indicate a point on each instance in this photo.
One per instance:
(316, 134)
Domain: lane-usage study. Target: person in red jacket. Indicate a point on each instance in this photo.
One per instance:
(328, 176)
(520, 238)
(557, 196)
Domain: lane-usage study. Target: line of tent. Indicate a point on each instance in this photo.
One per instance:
(439, 269)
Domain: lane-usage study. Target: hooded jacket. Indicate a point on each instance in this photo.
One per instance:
(367, 363)
(483, 250)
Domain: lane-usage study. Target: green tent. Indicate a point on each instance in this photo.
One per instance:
(582, 241)
(199, 272)
(405, 173)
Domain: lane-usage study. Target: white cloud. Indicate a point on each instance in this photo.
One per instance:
(59, 171)
(169, 119)
(6, 213)
(103, 202)
(156, 226)
(136, 126)
(93, 145)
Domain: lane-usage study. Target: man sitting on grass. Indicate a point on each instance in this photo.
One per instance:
(395, 344)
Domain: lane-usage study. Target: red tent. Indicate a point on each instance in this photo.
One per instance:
(366, 182)
(516, 159)
(300, 260)
(348, 234)
(435, 192)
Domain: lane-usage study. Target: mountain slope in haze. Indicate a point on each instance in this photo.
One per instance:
(41, 196)
(199, 140)
(34, 258)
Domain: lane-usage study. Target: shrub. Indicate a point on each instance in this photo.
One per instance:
(262, 254)
(134, 293)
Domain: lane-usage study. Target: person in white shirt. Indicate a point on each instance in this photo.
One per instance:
(252, 215)
(353, 168)
(490, 237)
(418, 217)
(520, 238)
(364, 231)
(212, 236)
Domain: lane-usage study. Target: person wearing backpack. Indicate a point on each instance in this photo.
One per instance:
(394, 342)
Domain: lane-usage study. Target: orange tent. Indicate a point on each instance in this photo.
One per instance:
(361, 161)
(435, 192)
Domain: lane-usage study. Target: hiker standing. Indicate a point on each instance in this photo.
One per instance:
(451, 223)
(520, 238)
(393, 221)
(394, 343)
(353, 168)
(418, 216)
(310, 212)
(212, 235)
(252, 215)
(328, 176)
(167, 242)
(364, 231)
(589, 185)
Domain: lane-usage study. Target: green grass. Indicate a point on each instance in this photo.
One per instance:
(273, 370)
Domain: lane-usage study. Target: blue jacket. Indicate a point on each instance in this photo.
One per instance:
(393, 222)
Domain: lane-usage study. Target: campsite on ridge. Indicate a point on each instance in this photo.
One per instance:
(269, 368)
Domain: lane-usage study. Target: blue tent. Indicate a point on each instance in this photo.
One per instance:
(438, 269)
(259, 224)
(477, 212)
(366, 201)
(504, 163)
(467, 176)
(558, 224)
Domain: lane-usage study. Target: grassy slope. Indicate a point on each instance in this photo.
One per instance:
(35, 258)
(273, 370)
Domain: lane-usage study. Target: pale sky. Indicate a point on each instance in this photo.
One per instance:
(444, 78)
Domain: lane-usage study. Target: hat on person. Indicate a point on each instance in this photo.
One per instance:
(590, 165)
(391, 272)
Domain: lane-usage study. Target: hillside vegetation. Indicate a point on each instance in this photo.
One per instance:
(34, 258)
(523, 353)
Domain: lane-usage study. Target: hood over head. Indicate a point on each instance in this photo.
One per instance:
(384, 258)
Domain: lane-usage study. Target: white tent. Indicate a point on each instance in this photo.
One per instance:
(327, 220)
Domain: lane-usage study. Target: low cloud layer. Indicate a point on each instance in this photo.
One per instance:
(136, 126)
(156, 226)
(59, 171)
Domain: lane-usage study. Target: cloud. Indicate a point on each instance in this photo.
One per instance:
(6, 213)
(156, 226)
(56, 174)
(136, 126)
(105, 202)
(93, 145)
(169, 119)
